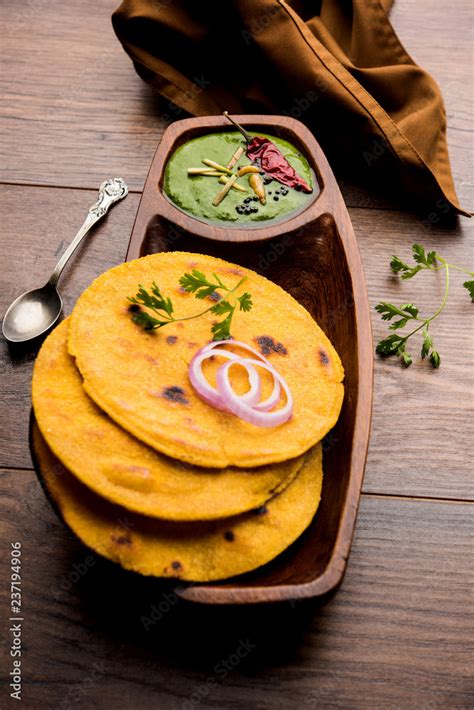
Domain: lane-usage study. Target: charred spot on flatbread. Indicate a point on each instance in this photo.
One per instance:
(323, 357)
(268, 345)
(122, 539)
(174, 393)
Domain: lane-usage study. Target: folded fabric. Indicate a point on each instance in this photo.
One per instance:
(336, 65)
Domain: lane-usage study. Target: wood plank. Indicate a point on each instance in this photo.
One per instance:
(37, 224)
(420, 443)
(72, 103)
(395, 635)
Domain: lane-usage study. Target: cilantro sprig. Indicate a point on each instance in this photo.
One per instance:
(408, 314)
(202, 287)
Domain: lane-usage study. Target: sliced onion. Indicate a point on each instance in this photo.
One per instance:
(236, 344)
(246, 406)
(274, 398)
(209, 393)
(246, 412)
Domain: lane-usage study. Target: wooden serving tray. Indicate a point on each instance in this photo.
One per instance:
(314, 256)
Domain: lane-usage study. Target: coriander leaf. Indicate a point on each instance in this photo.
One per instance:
(435, 359)
(390, 345)
(205, 291)
(198, 284)
(406, 358)
(398, 324)
(470, 287)
(427, 343)
(398, 265)
(410, 308)
(421, 257)
(387, 310)
(219, 281)
(412, 272)
(245, 301)
(222, 307)
(419, 254)
(191, 282)
(146, 321)
(221, 330)
(156, 302)
(166, 304)
(394, 344)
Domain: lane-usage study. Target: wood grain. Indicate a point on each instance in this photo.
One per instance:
(37, 225)
(420, 442)
(397, 633)
(394, 636)
(71, 101)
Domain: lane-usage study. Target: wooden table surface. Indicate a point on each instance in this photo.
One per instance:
(398, 632)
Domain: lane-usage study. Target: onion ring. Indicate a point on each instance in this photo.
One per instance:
(246, 412)
(246, 406)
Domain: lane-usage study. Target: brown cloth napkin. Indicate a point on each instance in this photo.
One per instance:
(336, 65)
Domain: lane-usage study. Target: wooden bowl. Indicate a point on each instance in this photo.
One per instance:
(314, 256)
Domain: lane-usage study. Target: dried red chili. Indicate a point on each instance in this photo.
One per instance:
(274, 164)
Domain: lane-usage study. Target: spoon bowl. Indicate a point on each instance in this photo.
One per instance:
(32, 314)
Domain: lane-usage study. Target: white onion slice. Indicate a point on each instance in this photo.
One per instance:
(246, 412)
(245, 406)
(236, 344)
(248, 397)
(209, 393)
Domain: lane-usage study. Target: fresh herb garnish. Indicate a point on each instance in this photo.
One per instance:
(395, 344)
(198, 284)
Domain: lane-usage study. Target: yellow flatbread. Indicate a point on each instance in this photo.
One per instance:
(198, 552)
(124, 470)
(141, 379)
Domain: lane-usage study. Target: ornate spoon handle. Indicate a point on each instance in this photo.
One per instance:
(110, 192)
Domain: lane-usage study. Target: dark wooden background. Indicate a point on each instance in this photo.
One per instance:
(398, 632)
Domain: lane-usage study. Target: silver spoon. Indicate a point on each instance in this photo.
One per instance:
(34, 312)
